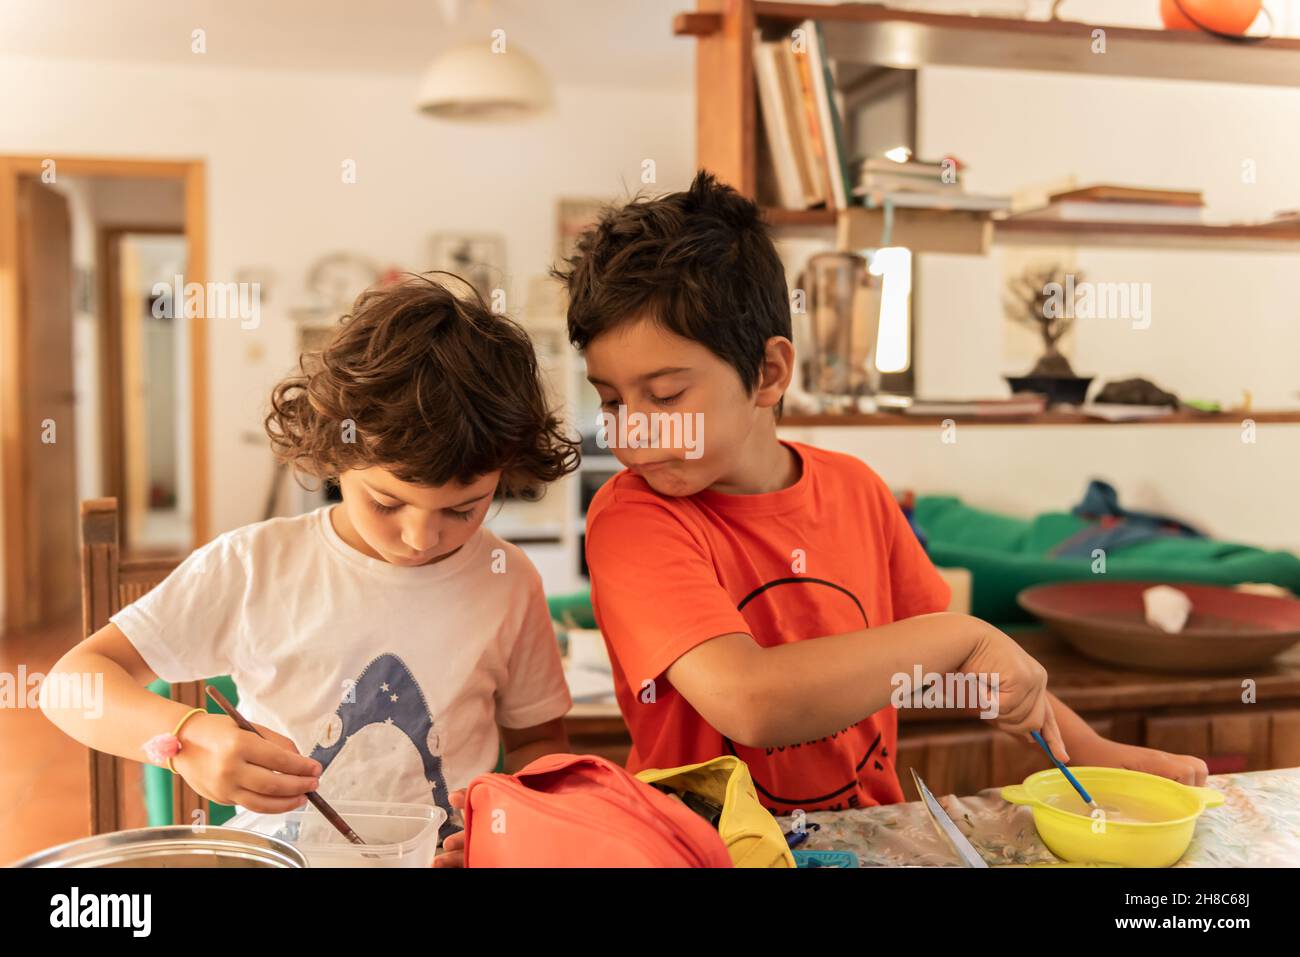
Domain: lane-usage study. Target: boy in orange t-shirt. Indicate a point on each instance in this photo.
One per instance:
(758, 597)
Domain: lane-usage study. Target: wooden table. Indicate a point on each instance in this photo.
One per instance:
(956, 753)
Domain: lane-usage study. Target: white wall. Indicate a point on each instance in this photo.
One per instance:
(1222, 321)
(1205, 474)
(274, 144)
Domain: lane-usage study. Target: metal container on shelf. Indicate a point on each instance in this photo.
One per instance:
(171, 846)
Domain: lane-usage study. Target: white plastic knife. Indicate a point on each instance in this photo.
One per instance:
(964, 848)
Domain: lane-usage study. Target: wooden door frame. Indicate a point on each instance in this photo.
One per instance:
(14, 473)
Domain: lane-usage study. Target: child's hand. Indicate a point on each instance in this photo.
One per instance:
(1183, 768)
(1023, 704)
(226, 764)
(453, 848)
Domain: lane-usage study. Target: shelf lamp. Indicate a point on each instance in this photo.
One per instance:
(476, 82)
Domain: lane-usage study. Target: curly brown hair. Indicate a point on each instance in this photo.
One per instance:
(436, 388)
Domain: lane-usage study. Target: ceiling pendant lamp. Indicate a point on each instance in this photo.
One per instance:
(484, 80)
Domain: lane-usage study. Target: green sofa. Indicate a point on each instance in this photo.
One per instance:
(1006, 555)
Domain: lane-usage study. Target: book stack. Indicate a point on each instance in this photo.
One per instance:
(881, 174)
(805, 140)
(1121, 204)
(805, 135)
(1285, 217)
(921, 185)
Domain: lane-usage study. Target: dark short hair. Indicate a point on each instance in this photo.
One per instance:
(698, 262)
(439, 388)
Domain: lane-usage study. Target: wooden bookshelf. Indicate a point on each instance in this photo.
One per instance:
(921, 230)
(894, 419)
(800, 218)
(1267, 237)
(1258, 236)
(858, 35)
(870, 33)
(726, 120)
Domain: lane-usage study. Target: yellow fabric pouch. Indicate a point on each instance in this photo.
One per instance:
(752, 835)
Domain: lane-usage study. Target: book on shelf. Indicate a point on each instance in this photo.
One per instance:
(902, 181)
(1115, 213)
(911, 199)
(1121, 204)
(879, 172)
(1117, 412)
(1131, 194)
(828, 114)
(812, 131)
(804, 133)
(911, 165)
(791, 187)
(921, 184)
(1021, 404)
(792, 99)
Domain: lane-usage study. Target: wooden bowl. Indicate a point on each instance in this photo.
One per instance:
(1228, 630)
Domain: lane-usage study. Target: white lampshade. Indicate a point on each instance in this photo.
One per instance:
(472, 82)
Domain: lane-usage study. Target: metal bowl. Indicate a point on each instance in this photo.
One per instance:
(171, 846)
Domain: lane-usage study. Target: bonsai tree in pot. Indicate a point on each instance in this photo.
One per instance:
(1037, 298)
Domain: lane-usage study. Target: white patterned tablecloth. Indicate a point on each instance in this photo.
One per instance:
(1258, 825)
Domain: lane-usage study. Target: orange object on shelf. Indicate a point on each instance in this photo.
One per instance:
(1215, 16)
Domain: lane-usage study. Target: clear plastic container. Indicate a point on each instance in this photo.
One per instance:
(396, 835)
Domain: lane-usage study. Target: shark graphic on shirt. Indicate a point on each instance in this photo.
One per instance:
(382, 744)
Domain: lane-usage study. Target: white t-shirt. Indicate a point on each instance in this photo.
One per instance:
(394, 678)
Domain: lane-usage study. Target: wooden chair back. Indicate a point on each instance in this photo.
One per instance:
(109, 583)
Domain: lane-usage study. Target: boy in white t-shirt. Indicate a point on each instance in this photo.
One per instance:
(384, 646)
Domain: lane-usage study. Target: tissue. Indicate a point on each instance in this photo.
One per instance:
(1166, 608)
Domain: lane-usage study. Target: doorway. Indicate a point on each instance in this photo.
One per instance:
(101, 392)
(145, 434)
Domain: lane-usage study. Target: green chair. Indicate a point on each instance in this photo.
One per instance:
(158, 781)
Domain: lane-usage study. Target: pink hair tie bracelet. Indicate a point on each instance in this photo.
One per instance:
(161, 748)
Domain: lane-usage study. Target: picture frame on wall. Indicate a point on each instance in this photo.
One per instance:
(573, 217)
(478, 258)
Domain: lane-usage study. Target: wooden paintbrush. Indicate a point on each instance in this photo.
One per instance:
(319, 802)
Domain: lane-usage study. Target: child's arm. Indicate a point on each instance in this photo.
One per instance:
(220, 761)
(1090, 749)
(785, 694)
(126, 714)
(525, 745)
(522, 747)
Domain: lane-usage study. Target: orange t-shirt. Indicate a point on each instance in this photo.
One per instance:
(830, 554)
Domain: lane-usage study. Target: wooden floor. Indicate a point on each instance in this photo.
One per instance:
(44, 791)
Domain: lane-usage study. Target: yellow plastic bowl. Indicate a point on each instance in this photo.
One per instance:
(1073, 837)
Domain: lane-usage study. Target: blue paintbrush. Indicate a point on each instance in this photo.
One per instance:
(1066, 771)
